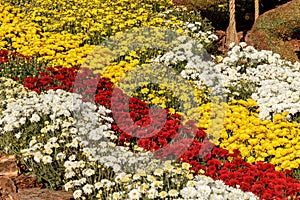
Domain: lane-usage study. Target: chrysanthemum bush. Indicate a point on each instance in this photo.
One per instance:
(160, 140)
(261, 140)
(190, 59)
(17, 66)
(244, 73)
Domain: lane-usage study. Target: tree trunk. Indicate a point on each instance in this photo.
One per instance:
(231, 33)
(256, 9)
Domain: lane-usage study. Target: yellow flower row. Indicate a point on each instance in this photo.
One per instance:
(65, 32)
(277, 141)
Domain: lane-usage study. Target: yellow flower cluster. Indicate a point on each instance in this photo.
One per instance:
(29, 38)
(116, 71)
(158, 95)
(65, 32)
(277, 141)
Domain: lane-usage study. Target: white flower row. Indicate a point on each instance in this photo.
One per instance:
(200, 187)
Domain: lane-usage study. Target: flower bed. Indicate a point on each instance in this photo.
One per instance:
(84, 129)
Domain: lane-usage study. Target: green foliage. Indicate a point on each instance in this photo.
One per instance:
(19, 67)
(242, 90)
(296, 173)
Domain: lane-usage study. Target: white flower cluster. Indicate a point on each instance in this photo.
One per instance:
(16, 112)
(275, 96)
(87, 125)
(205, 188)
(10, 89)
(56, 113)
(194, 30)
(191, 29)
(197, 64)
(277, 81)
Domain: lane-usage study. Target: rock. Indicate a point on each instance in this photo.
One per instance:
(7, 184)
(25, 181)
(7, 188)
(43, 194)
(4, 195)
(23, 187)
(8, 191)
(8, 166)
(275, 29)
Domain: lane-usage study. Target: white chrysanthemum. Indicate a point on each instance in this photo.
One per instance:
(60, 156)
(47, 159)
(173, 193)
(88, 189)
(98, 185)
(82, 181)
(69, 185)
(152, 193)
(72, 157)
(216, 197)
(18, 135)
(188, 192)
(116, 196)
(22, 120)
(69, 174)
(158, 172)
(37, 156)
(157, 184)
(204, 190)
(134, 194)
(107, 183)
(35, 118)
(88, 172)
(77, 194)
(48, 151)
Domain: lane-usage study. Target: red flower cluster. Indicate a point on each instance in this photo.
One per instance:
(5, 55)
(52, 78)
(135, 122)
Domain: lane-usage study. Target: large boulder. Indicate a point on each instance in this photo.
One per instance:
(17, 186)
(8, 166)
(278, 30)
